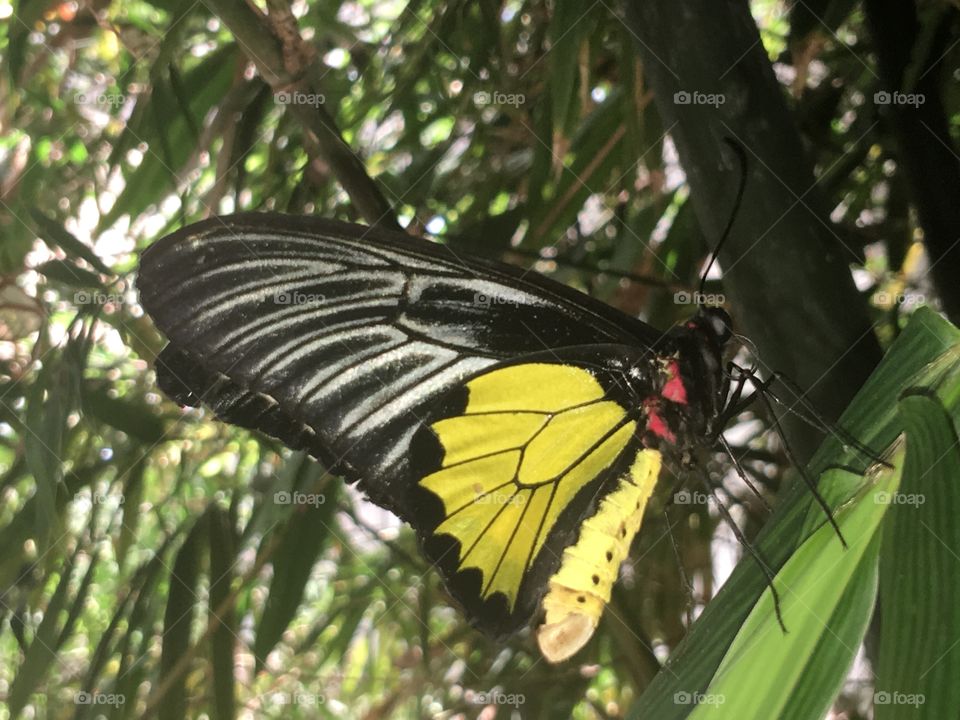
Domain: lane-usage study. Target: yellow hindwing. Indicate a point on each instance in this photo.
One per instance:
(529, 439)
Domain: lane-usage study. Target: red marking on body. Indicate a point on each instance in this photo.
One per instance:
(656, 424)
(673, 389)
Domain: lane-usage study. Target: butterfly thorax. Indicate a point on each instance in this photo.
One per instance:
(685, 410)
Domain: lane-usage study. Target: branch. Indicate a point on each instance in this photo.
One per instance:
(786, 266)
(285, 62)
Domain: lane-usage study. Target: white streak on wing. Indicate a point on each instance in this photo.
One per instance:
(242, 268)
(461, 334)
(398, 450)
(258, 292)
(315, 384)
(406, 401)
(322, 343)
(314, 245)
(431, 358)
(485, 292)
(289, 318)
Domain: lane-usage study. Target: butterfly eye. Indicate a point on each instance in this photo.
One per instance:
(719, 323)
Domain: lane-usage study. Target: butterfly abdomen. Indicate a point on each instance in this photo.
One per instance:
(580, 589)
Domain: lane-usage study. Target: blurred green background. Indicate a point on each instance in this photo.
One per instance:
(145, 568)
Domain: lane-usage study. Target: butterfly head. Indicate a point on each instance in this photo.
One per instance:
(715, 322)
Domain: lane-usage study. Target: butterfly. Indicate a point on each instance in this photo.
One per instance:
(518, 425)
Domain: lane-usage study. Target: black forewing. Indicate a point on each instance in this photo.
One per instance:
(340, 336)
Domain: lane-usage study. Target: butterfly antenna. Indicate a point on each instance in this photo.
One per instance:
(754, 553)
(742, 158)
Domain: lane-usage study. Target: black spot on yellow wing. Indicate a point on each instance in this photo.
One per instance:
(524, 454)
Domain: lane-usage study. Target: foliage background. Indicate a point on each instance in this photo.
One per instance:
(144, 554)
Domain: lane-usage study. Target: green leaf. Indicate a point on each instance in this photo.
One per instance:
(45, 426)
(71, 275)
(54, 234)
(567, 29)
(924, 355)
(222, 613)
(177, 622)
(296, 551)
(42, 651)
(920, 572)
(823, 586)
(168, 129)
(133, 418)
